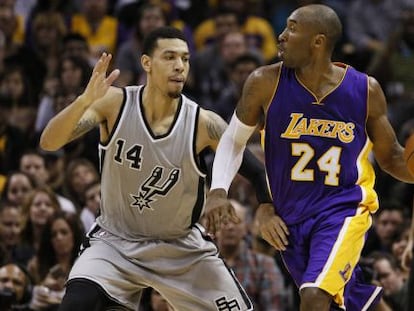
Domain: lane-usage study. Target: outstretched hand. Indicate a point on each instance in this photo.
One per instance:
(99, 83)
(272, 228)
(218, 211)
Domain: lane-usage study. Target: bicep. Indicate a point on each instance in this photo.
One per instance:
(380, 130)
(255, 96)
(211, 128)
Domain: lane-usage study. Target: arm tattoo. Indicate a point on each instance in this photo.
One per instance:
(83, 126)
(215, 127)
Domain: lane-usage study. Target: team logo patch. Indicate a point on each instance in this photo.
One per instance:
(223, 304)
(346, 272)
(154, 186)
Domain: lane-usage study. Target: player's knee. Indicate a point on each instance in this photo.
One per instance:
(82, 295)
(315, 298)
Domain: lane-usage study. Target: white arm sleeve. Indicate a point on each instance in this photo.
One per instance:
(229, 153)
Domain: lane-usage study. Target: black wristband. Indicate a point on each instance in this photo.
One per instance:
(252, 169)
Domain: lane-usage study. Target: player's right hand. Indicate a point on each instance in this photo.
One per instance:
(272, 228)
(218, 211)
(99, 83)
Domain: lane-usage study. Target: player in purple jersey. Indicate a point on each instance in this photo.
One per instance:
(320, 120)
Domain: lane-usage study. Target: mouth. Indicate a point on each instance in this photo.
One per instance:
(177, 80)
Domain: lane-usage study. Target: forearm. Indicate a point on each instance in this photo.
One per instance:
(64, 127)
(253, 170)
(229, 154)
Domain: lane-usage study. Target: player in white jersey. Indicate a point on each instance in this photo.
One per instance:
(152, 189)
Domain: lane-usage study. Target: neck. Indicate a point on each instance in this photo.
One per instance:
(157, 104)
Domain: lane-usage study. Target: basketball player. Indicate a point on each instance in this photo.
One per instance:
(152, 189)
(320, 121)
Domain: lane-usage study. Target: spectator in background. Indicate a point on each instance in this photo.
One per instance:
(149, 17)
(370, 38)
(18, 187)
(257, 273)
(238, 71)
(398, 246)
(209, 74)
(71, 78)
(99, 28)
(58, 249)
(258, 31)
(22, 114)
(11, 224)
(39, 207)
(15, 288)
(34, 164)
(12, 141)
(386, 222)
(390, 277)
(79, 173)
(92, 201)
(48, 30)
(76, 45)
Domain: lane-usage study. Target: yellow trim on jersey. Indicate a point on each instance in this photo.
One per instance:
(344, 256)
(366, 179)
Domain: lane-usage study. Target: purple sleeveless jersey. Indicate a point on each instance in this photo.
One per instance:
(317, 151)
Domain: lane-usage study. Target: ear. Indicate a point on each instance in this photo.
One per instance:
(146, 63)
(319, 40)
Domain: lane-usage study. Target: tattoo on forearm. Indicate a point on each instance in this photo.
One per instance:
(82, 127)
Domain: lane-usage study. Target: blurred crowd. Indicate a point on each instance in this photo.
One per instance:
(50, 199)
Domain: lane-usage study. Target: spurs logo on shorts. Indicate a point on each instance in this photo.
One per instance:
(227, 305)
(153, 186)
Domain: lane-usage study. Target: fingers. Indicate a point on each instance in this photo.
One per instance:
(113, 76)
(103, 63)
(275, 232)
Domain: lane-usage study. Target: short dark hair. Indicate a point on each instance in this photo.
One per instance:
(167, 32)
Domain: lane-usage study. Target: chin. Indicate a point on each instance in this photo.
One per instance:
(174, 95)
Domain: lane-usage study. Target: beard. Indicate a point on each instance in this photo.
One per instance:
(174, 94)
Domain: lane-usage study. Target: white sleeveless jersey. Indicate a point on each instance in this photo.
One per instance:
(152, 186)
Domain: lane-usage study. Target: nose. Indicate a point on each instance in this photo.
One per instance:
(282, 36)
(179, 65)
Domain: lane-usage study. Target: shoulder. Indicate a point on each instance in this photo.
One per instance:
(261, 83)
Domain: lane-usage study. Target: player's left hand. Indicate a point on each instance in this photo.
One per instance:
(218, 211)
(272, 228)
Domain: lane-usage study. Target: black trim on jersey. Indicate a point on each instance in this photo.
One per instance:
(196, 157)
(147, 125)
(199, 204)
(242, 291)
(101, 160)
(117, 119)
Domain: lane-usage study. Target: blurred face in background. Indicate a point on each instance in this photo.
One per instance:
(19, 188)
(232, 46)
(81, 176)
(10, 225)
(41, 209)
(62, 237)
(13, 278)
(71, 75)
(13, 84)
(152, 18)
(34, 165)
(387, 223)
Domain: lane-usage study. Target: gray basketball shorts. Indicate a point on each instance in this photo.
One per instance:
(187, 272)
